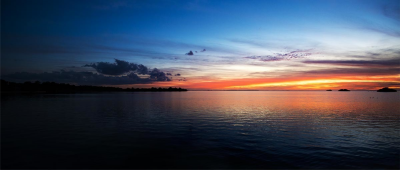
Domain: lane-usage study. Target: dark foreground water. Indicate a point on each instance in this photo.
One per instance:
(254, 129)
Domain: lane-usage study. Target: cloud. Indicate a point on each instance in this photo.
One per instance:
(178, 74)
(121, 67)
(189, 53)
(158, 75)
(353, 71)
(285, 56)
(266, 58)
(364, 63)
(118, 73)
(118, 68)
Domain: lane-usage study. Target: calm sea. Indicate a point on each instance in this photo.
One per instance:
(197, 129)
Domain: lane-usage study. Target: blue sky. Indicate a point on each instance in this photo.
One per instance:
(241, 38)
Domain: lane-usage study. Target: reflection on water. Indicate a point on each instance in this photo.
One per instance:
(252, 129)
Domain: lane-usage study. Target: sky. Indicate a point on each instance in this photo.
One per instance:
(203, 44)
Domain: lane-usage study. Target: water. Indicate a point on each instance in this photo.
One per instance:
(247, 129)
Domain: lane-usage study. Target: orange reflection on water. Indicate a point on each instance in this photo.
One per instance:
(308, 104)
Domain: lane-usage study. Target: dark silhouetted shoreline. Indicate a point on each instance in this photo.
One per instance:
(52, 88)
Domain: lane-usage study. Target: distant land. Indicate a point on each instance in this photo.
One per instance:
(52, 87)
(386, 89)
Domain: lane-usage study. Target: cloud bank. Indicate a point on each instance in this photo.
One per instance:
(118, 68)
(118, 73)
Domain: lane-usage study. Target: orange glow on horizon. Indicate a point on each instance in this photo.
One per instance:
(283, 83)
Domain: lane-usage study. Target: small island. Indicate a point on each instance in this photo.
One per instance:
(343, 90)
(386, 89)
(329, 90)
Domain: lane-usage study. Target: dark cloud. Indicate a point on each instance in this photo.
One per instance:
(118, 68)
(189, 53)
(158, 75)
(178, 74)
(118, 73)
(285, 56)
(169, 74)
(87, 78)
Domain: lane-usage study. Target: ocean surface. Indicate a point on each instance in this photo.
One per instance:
(202, 129)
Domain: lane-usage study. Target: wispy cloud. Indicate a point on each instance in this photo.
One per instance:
(352, 71)
(284, 56)
(250, 42)
(361, 63)
(390, 12)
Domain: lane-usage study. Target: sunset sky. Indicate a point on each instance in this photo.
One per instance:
(204, 44)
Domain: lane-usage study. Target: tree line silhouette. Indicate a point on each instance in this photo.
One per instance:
(52, 87)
